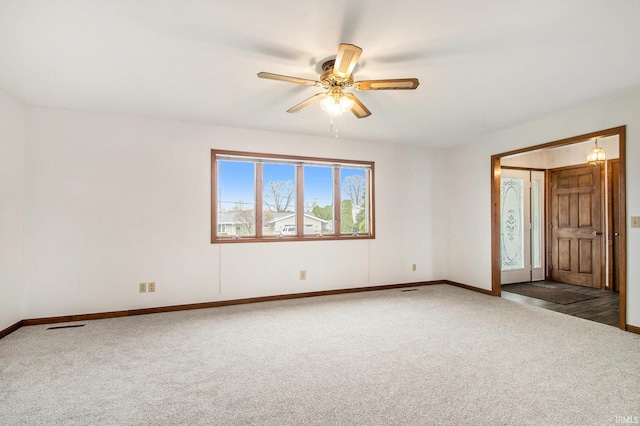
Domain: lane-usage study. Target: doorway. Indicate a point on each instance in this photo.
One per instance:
(612, 244)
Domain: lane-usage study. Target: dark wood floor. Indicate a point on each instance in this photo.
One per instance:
(603, 309)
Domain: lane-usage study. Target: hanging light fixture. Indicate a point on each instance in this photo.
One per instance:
(336, 103)
(596, 155)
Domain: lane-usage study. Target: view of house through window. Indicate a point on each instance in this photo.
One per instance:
(267, 197)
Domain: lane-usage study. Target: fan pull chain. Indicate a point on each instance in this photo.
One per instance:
(333, 128)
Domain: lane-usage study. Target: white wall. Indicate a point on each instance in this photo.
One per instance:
(12, 141)
(112, 201)
(562, 156)
(468, 184)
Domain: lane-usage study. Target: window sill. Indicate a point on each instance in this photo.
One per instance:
(228, 240)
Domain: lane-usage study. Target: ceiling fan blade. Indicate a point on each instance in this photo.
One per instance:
(307, 102)
(346, 60)
(359, 110)
(393, 84)
(288, 79)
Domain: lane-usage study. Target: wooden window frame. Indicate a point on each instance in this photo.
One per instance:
(299, 162)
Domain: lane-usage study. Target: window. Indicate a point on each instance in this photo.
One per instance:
(265, 197)
(279, 199)
(237, 198)
(354, 202)
(318, 200)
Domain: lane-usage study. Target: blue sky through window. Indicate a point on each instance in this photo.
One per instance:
(236, 181)
(278, 173)
(318, 185)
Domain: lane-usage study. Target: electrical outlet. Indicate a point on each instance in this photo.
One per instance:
(635, 221)
(143, 287)
(152, 287)
(414, 267)
(303, 275)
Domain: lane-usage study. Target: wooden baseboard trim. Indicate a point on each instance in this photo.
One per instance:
(469, 287)
(7, 331)
(632, 329)
(204, 305)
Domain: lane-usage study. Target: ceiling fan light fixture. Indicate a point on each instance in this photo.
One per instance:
(596, 155)
(336, 103)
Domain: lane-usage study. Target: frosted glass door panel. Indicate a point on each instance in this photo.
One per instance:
(515, 236)
(512, 217)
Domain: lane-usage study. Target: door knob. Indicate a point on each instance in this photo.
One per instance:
(596, 233)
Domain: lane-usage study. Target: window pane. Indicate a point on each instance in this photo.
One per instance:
(512, 223)
(354, 207)
(318, 200)
(536, 230)
(279, 199)
(236, 198)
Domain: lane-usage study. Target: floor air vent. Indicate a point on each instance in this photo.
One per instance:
(65, 326)
(409, 289)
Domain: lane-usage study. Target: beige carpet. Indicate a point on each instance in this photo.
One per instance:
(436, 356)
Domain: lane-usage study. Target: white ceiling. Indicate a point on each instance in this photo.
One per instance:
(483, 65)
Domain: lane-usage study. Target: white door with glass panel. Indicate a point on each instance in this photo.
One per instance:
(521, 220)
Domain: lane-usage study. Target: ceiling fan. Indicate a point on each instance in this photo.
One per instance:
(336, 77)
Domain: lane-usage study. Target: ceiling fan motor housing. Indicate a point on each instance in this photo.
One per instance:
(329, 80)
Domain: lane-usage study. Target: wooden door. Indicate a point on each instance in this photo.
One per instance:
(576, 226)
